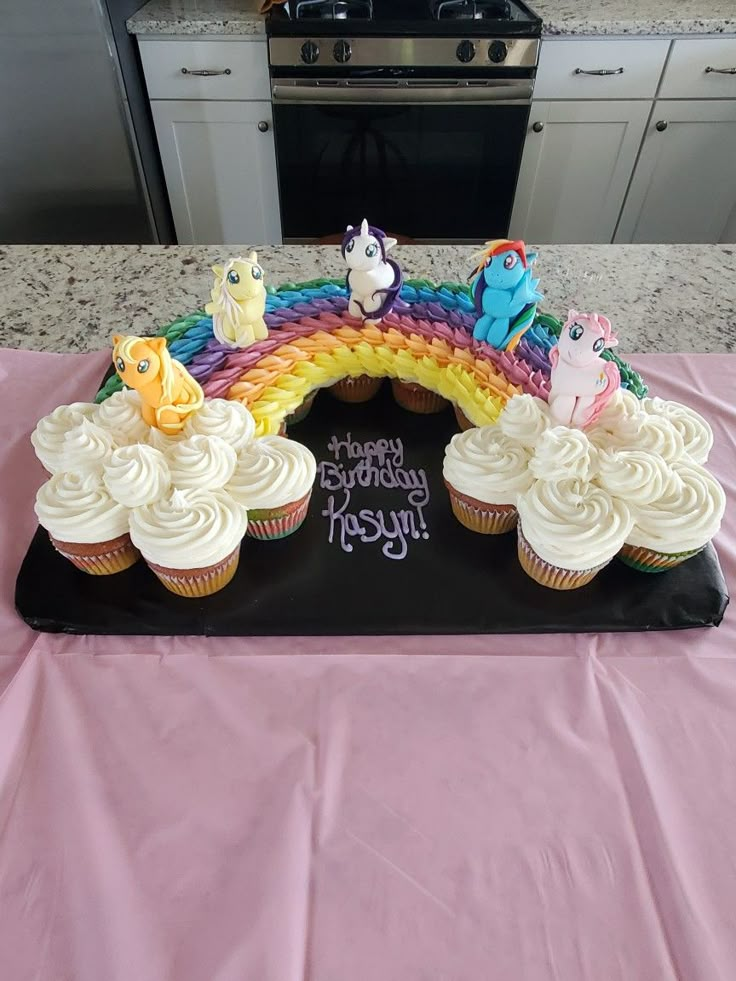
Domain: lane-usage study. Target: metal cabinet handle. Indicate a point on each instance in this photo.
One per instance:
(206, 72)
(599, 71)
(263, 126)
(538, 127)
(661, 126)
(720, 71)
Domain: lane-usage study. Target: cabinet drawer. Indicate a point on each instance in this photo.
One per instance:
(563, 66)
(244, 64)
(686, 76)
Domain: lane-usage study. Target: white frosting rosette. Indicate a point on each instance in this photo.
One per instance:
(272, 471)
(229, 420)
(695, 431)
(48, 436)
(685, 518)
(637, 476)
(524, 418)
(201, 463)
(622, 414)
(137, 475)
(573, 524)
(77, 508)
(120, 415)
(563, 453)
(189, 529)
(656, 434)
(87, 447)
(164, 442)
(484, 464)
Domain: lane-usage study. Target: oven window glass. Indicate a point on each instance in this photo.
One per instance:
(422, 171)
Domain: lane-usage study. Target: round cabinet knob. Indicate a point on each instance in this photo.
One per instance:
(342, 52)
(310, 52)
(263, 126)
(497, 52)
(661, 126)
(538, 127)
(465, 51)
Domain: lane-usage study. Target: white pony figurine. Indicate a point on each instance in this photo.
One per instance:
(238, 302)
(582, 382)
(374, 281)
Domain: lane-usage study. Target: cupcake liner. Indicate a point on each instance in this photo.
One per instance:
(462, 420)
(268, 524)
(648, 560)
(194, 583)
(100, 558)
(549, 575)
(486, 519)
(302, 411)
(415, 398)
(359, 389)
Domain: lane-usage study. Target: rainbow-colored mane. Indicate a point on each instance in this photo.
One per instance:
(238, 302)
(168, 392)
(505, 293)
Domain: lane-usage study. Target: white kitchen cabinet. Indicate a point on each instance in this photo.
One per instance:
(577, 163)
(684, 187)
(220, 166)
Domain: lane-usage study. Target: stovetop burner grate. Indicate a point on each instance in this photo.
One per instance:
(334, 9)
(470, 9)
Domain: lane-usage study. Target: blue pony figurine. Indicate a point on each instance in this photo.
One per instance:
(505, 294)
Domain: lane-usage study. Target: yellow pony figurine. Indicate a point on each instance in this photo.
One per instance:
(168, 392)
(238, 302)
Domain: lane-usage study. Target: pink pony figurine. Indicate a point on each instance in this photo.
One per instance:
(582, 382)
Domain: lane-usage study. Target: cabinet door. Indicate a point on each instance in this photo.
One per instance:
(684, 186)
(577, 163)
(220, 171)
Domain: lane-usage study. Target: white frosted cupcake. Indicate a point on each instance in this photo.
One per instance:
(87, 448)
(229, 420)
(164, 442)
(654, 434)
(48, 436)
(524, 418)
(562, 453)
(85, 524)
(201, 463)
(678, 524)
(137, 475)
(637, 476)
(622, 413)
(695, 431)
(484, 473)
(120, 415)
(191, 539)
(273, 479)
(568, 531)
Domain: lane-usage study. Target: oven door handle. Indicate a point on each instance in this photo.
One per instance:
(516, 91)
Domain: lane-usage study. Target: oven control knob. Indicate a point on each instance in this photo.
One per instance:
(310, 52)
(342, 52)
(497, 52)
(465, 51)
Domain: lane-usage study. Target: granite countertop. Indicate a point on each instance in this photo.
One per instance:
(560, 17)
(665, 298)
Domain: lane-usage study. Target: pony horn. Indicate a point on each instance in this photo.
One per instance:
(364, 227)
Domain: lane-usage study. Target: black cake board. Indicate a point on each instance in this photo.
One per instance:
(453, 581)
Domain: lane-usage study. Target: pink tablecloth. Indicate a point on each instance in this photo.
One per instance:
(490, 809)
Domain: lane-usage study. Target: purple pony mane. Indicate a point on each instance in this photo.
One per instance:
(389, 294)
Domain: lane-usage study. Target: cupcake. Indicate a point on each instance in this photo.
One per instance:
(416, 398)
(48, 436)
(85, 524)
(191, 539)
(230, 420)
(137, 475)
(636, 476)
(164, 442)
(359, 389)
(568, 531)
(524, 418)
(86, 449)
(120, 415)
(678, 524)
(301, 413)
(562, 453)
(462, 420)
(655, 434)
(273, 480)
(201, 463)
(696, 433)
(484, 472)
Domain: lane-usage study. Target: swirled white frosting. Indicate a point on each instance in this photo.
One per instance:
(487, 466)
(695, 431)
(563, 453)
(637, 476)
(272, 471)
(202, 463)
(48, 436)
(189, 529)
(622, 414)
(687, 515)
(229, 420)
(524, 418)
(656, 434)
(573, 524)
(164, 442)
(87, 447)
(120, 415)
(137, 475)
(75, 507)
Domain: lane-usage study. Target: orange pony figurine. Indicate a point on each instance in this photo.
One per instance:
(168, 392)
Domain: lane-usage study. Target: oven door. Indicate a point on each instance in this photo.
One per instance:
(428, 161)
